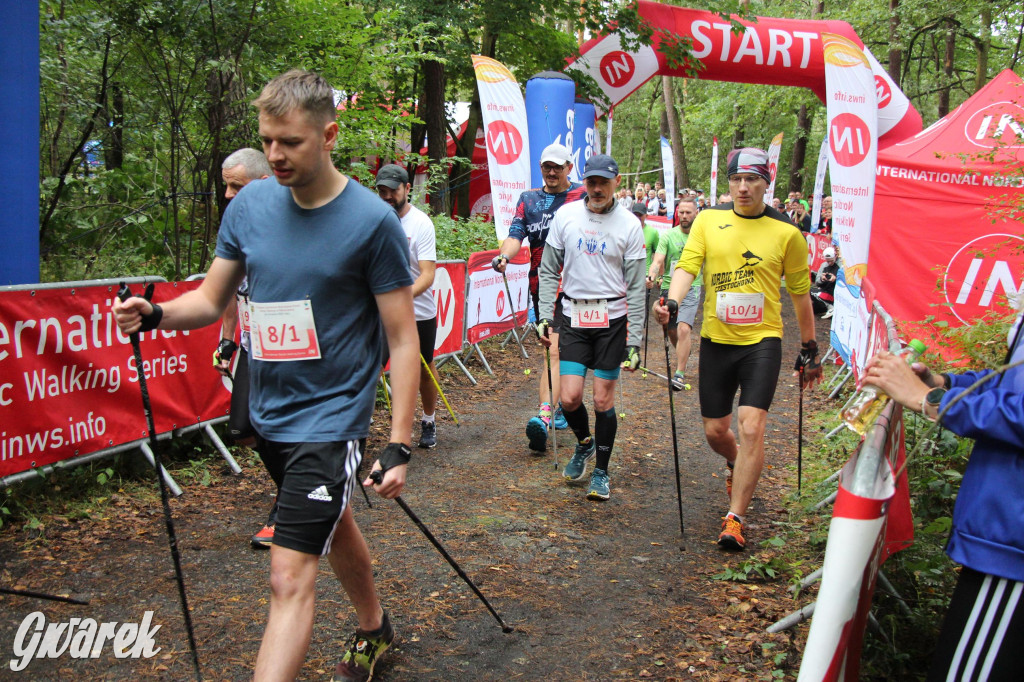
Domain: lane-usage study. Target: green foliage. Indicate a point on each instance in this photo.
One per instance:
(457, 238)
(767, 565)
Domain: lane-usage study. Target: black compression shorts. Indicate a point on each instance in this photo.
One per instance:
(593, 348)
(724, 368)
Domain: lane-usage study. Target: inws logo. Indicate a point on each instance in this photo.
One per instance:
(499, 305)
(981, 274)
(504, 142)
(1000, 124)
(849, 139)
(81, 638)
(617, 68)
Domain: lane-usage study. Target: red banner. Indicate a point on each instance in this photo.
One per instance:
(450, 296)
(489, 310)
(816, 245)
(68, 382)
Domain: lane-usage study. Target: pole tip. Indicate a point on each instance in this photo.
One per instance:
(507, 629)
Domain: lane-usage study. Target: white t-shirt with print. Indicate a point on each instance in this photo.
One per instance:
(596, 246)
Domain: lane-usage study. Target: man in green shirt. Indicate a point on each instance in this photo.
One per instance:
(651, 234)
(670, 246)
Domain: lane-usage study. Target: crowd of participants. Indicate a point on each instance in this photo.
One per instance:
(352, 270)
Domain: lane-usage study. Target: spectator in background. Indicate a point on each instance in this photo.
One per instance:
(823, 291)
(625, 198)
(983, 631)
(662, 203)
(652, 202)
(640, 198)
(724, 198)
(801, 218)
(825, 221)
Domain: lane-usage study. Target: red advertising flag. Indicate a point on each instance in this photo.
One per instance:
(68, 382)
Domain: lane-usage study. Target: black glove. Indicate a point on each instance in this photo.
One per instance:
(150, 321)
(673, 311)
(632, 359)
(498, 260)
(395, 454)
(807, 359)
(225, 349)
(544, 328)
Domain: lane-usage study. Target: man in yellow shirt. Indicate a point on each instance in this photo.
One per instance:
(745, 247)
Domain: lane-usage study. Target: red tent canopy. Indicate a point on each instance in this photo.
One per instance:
(947, 237)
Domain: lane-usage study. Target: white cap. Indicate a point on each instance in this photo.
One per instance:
(829, 252)
(556, 153)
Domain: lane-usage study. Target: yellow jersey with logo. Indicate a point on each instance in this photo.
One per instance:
(744, 255)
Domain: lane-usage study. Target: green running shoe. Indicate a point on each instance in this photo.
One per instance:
(364, 650)
(575, 470)
(598, 489)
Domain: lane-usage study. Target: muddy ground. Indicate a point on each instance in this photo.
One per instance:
(595, 591)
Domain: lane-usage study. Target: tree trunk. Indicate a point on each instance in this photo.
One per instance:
(981, 73)
(675, 131)
(737, 131)
(437, 152)
(113, 156)
(467, 146)
(647, 132)
(947, 68)
(895, 51)
(796, 166)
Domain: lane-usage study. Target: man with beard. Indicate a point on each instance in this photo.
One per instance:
(393, 187)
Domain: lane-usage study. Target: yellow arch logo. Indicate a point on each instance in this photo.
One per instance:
(491, 71)
(841, 51)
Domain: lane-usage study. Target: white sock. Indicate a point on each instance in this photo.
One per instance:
(428, 418)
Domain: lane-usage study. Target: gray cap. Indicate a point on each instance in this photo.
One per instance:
(639, 208)
(601, 165)
(392, 176)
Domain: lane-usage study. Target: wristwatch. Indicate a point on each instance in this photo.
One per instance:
(933, 398)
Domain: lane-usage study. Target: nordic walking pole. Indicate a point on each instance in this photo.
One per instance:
(647, 312)
(551, 394)
(675, 438)
(439, 390)
(377, 477)
(800, 436)
(647, 370)
(124, 293)
(387, 394)
(515, 320)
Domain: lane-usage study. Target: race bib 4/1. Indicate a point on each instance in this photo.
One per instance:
(283, 332)
(739, 309)
(590, 314)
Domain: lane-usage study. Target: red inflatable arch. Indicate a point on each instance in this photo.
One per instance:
(770, 51)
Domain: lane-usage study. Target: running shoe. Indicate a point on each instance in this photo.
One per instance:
(537, 433)
(828, 314)
(263, 539)
(598, 489)
(731, 536)
(428, 434)
(575, 470)
(364, 650)
(560, 422)
(679, 382)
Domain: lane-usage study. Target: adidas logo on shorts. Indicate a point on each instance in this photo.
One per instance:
(320, 494)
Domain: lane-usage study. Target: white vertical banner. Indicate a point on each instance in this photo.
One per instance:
(819, 183)
(853, 150)
(713, 191)
(608, 143)
(508, 147)
(774, 149)
(668, 167)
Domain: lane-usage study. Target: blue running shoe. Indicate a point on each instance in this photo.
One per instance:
(598, 489)
(575, 470)
(537, 432)
(560, 422)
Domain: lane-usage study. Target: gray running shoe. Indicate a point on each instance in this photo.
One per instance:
(428, 434)
(575, 470)
(598, 489)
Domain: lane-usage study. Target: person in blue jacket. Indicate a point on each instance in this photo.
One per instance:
(983, 634)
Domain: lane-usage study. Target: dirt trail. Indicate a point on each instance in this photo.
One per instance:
(595, 591)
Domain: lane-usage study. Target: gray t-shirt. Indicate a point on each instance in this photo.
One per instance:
(337, 257)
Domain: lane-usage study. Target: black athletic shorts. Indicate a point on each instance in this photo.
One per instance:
(427, 331)
(602, 349)
(318, 482)
(753, 369)
(983, 633)
(239, 426)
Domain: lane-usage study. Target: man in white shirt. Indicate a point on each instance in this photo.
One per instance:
(393, 187)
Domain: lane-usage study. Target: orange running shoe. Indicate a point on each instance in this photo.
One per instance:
(731, 536)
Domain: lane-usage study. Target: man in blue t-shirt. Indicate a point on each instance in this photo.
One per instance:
(532, 220)
(327, 266)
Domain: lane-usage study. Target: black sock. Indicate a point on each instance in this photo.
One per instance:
(578, 421)
(605, 425)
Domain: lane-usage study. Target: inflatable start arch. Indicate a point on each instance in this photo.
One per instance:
(769, 51)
